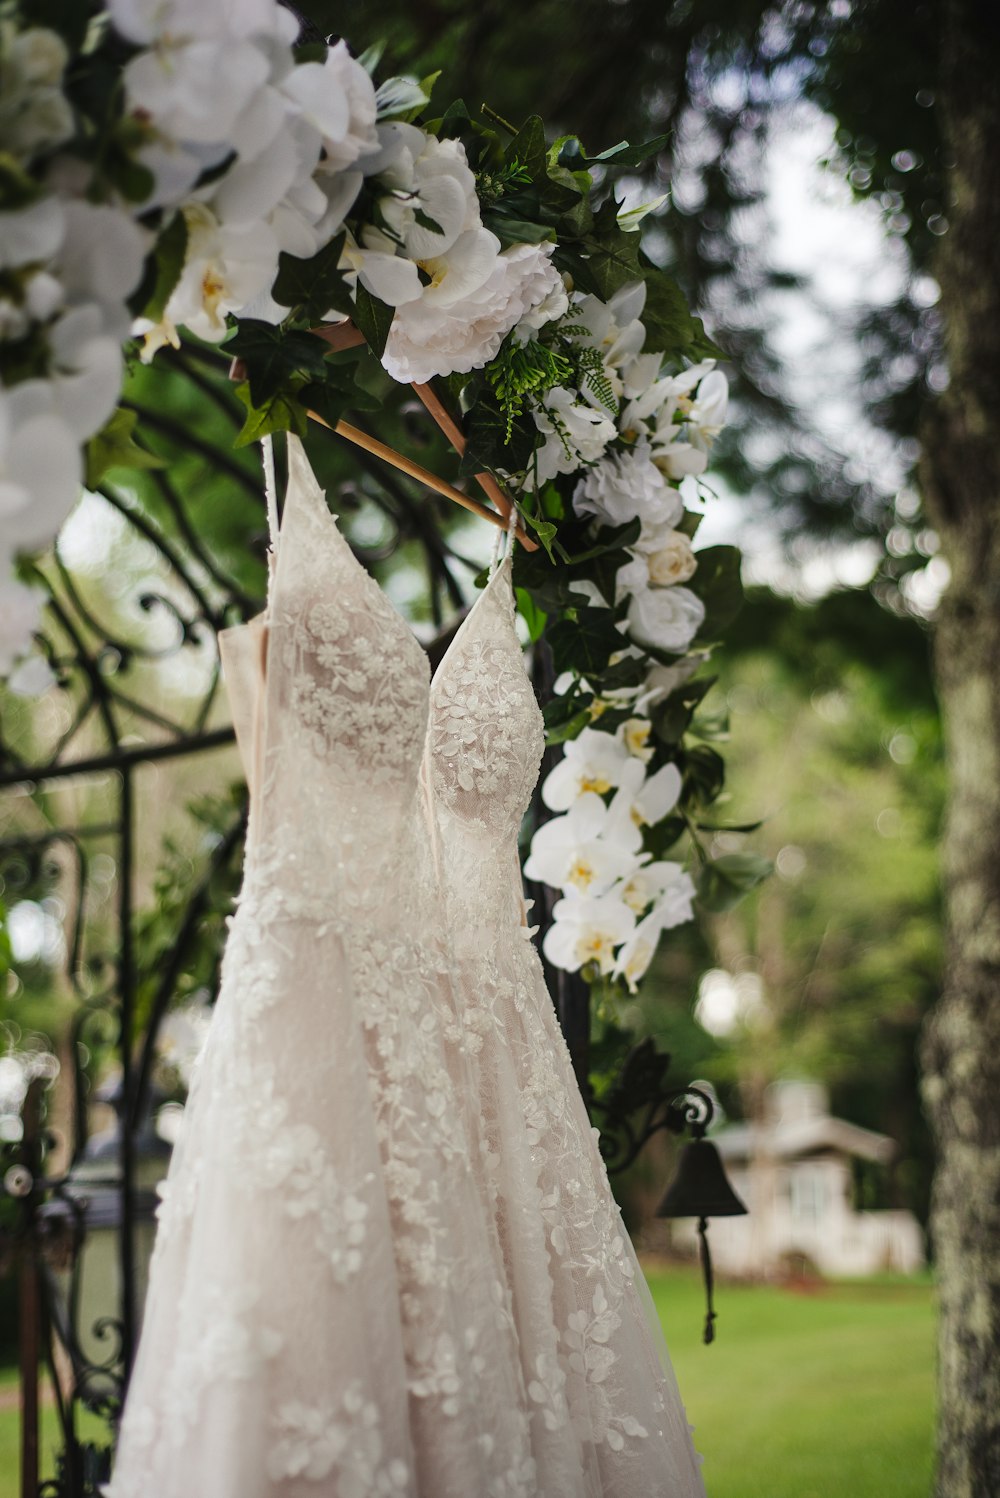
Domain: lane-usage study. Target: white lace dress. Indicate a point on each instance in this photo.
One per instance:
(388, 1261)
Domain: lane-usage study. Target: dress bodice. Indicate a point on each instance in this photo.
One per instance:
(343, 733)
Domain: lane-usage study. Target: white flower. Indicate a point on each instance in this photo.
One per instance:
(665, 618)
(587, 929)
(31, 678)
(194, 88)
(572, 852)
(593, 761)
(616, 330)
(224, 269)
(40, 468)
(550, 307)
(624, 486)
(649, 885)
(660, 558)
(35, 114)
(638, 949)
(338, 97)
(442, 333)
(20, 616)
(642, 802)
(575, 434)
(146, 21)
(101, 260)
(33, 234)
(707, 415)
(423, 179)
(678, 460)
(634, 734)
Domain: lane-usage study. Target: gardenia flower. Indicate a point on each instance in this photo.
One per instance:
(587, 929)
(575, 434)
(440, 334)
(572, 852)
(624, 486)
(665, 618)
(593, 761)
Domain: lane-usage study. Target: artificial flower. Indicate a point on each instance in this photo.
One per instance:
(665, 618)
(20, 616)
(572, 851)
(627, 486)
(593, 761)
(40, 468)
(639, 947)
(575, 434)
(587, 929)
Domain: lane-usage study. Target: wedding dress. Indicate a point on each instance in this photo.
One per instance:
(388, 1260)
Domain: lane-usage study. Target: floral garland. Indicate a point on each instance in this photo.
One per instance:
(245, 189)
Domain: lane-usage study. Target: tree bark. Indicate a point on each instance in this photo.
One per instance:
(961, 1048)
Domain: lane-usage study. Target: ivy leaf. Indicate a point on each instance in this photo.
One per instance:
(274, 356)
(528, 148)
(333, 398)
(511, 230)
(168, 260)
(704, 773)
(532, 615)
(373, 318)
(114, 446)
(280, 413)
(315, 285)
(612, 255)
(723, 883)
(486, 439)
(585, 643)
(718, 584)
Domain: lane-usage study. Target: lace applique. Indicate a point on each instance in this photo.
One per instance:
(315, 1440)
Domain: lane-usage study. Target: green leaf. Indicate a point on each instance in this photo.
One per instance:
(510, 230)
(724, 882)
(532, 615)
(114, 446)
(586, 643)
(570, 729)
(171, 249)
(487, 444)
(373, 318)
(625, 155)
(274, 356)
(281, 413)
(612, 255)
(529, 149)
(334, 397)
(315, 285)
(704, 773)
(666, 315)
(17, 188)
(718, 584)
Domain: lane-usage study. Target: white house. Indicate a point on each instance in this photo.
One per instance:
(794, 1173)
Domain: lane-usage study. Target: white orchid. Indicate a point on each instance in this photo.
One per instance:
(665, 618)
(641, 801)
(650, 884)
(593, 761)
(627, 486)
(35, 114)
(428, 192)
(575, 433)
(634, 733)
(587, 929)
(574, 852)
(615, 329)
(639, 947)
(707, 414)
(31, 235)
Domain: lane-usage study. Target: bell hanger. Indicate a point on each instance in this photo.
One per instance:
(345, 335)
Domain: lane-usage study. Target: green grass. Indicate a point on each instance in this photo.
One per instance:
(807, 1395)
(816, 1395)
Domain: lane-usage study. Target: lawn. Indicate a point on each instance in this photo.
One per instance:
(807, 1395)
(803, 1395)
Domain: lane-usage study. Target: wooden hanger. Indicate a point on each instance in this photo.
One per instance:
(345, 335)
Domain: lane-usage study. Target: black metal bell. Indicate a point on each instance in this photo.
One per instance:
(699, 1187)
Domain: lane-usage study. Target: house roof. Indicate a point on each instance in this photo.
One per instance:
(808, 1136)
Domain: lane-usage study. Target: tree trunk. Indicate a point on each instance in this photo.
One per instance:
(961, 481)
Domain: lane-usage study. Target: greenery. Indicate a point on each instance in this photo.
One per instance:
(802, 1396)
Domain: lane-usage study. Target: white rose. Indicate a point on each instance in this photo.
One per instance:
(672, 561)
(666, 618)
